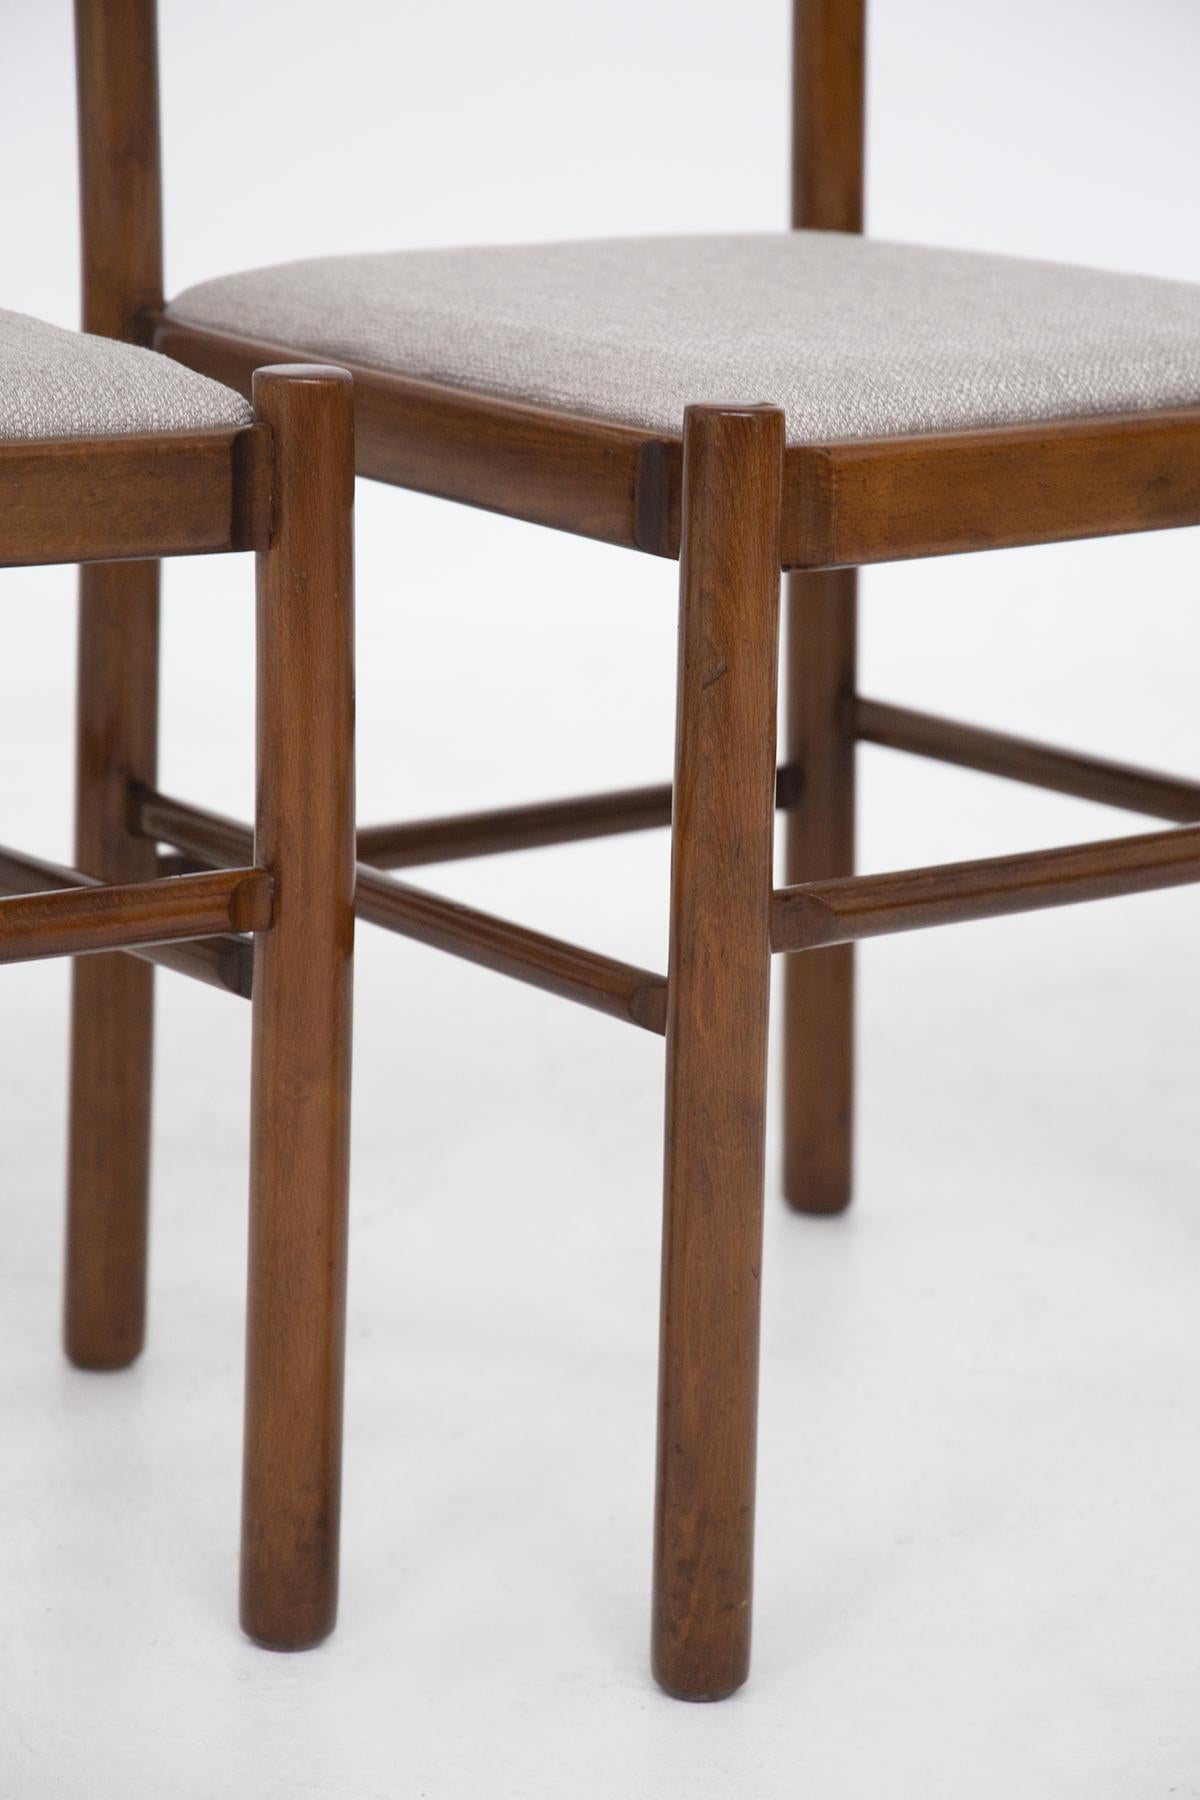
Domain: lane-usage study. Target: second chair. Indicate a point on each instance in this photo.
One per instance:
(109, 453)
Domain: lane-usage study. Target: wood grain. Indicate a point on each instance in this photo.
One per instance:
(530, 463)
(616, 988)
(839, 912)
(223, 962)
(1023, 759)
(828, 114)
(537, 825)
(818, 992)
(112, 999)
(890, 499)
(84, 500)
(77, 920)
(300, 1064)
(845, 504)
(65, 502)
(821, 647)
(411, 844)
(719, 987)
(120, 182)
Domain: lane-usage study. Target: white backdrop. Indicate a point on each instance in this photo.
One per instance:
(977, 1556)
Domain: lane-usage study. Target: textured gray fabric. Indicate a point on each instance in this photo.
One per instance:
(853, 338)
(58, 384)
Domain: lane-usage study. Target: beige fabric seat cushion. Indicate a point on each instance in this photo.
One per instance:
(63, 384)
(852, 337)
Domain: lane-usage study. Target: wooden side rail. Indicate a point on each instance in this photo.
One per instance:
(616, 988)
(450, 839)
(840, 912)
(181, 493)
(1022, 759)
(875, 500)
(76, 921)
(209, 837)
(572, 473)
(408, 845)
(223, 962)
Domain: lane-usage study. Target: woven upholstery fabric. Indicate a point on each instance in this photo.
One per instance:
(853, 338)
(63, 384)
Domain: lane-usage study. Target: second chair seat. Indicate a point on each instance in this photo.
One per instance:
(66, 384)
(852, 338)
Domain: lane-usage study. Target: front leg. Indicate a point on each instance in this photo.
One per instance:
(719, 984)
(300, 1070)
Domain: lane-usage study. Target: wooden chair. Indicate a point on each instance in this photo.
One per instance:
(108, 453)
(824, 403)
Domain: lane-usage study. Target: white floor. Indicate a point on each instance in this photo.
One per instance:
(978, 1562)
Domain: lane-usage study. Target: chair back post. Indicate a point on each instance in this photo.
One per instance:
(821, 637)
(116, 66)
(828, 114)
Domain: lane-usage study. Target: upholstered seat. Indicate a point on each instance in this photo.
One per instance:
(64, 384)
(852, 337)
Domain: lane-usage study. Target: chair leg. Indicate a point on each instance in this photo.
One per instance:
(113, 996)
(719, 976)
(301, 1028)
(818, 1039)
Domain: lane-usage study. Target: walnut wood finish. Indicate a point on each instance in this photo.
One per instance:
(616, 988)
(818, 991)
(300, 1078)
(208, 837)
(120, 183)
(403, 846)
(141, 499)
(108, 1158)
(108, 1155)
(837, 912)
(1021, 759)
(828, 141)
(619, 989)
(500, 945)
(828, 114)
(863, 501)
(548, 468)
(719, 987)
(75, 921)
(409, 845)
(83, 500)
(845, 504)
(891, 499)
(301, 982)
(222, 962)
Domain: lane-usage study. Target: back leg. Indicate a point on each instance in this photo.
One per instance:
(818, 1035)
(113, 996)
